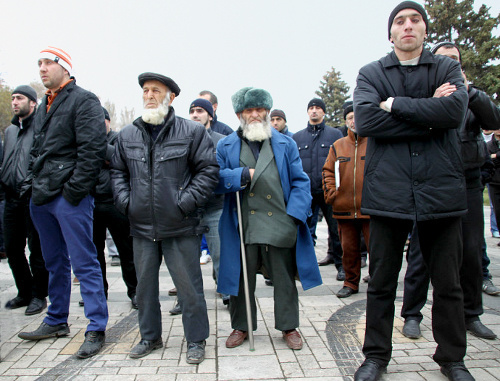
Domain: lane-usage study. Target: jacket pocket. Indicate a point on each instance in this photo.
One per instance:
(60, 172)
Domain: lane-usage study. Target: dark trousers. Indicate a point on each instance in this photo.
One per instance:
(106, 216)
(334, 246)
(281, 267)
(31, 279)
(471, 279)
(350, 231)
(182, 257)
(441, 245)
(66, 238)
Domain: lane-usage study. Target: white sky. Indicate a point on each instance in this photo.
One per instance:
(283, 46)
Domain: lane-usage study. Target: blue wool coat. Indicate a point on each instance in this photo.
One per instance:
(297, 196)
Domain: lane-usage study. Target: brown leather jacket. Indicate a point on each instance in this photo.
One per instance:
(346, 200)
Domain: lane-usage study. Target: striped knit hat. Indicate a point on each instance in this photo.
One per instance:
(59, 56)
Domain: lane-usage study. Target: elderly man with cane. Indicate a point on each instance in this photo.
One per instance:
(263, 168)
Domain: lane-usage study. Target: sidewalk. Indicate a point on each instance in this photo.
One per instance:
(332, 330)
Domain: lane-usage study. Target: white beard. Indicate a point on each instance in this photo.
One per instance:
(257, 131)
(156, 116)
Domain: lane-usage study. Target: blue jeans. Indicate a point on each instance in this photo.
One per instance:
(66, 238)
(182, 258)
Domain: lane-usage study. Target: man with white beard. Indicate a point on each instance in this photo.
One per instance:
(163, 173)
(265, 168)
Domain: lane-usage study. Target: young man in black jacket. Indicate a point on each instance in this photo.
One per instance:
(67, 154)
(31, 278)
(163, 172)
(409, 104)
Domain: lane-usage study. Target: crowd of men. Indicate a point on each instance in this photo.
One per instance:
(410, 163)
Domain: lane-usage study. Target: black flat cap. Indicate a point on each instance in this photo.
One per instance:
(169, 82)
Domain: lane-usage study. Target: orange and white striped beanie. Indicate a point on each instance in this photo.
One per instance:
(59, 56)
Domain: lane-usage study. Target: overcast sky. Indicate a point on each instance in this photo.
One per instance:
(284, 46)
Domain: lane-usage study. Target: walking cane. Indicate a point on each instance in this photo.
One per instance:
(245, 275)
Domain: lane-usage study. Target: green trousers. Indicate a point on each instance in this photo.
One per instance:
(281, 266)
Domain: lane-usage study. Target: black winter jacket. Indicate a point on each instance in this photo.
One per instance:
(494, 148)
(314, 143)
(69, 146)
(413, 166)
(18, 140)
(103, 189)
(161, 185)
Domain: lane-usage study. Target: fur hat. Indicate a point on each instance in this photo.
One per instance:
(251, 97)
(59, 56)
(27, 91)
(169, 82)
(204, 104)
(406, 5)
(278, 113)
(348, 107)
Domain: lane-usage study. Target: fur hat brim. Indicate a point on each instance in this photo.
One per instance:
(251, 97)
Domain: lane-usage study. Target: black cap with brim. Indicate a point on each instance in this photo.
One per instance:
(169, 82)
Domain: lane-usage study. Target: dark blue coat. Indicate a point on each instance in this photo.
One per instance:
(314, 143)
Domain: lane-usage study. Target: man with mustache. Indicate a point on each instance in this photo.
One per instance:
(163, 172)
(264, 166)
(413, 174)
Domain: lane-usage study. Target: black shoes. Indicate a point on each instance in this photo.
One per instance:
(328, 260)
(345, 292)
(480, 330)
(176, 310)
(369, 371)
(133, 300)
(195, 352)
(411, 329)
(225, 299)
(341, 274)
(45, 331)
(269, 282)
(36, 306)
(145, 347)
(456, 371)
(94, 341)
(17, 302)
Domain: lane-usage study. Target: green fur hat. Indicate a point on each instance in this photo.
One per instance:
(250, 97)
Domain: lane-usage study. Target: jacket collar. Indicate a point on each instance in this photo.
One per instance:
(315, 127)
(26, 121)
(426, 58)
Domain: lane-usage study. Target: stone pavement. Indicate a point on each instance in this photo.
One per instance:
(332, 330)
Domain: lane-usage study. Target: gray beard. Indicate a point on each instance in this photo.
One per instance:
(156, 116)
(256, 132)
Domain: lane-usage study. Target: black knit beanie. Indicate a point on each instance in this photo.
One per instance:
(410, 5)
(316, 102)
(27, 91)
(278, 113)
(348, 107)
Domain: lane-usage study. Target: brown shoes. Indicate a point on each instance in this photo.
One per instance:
(293, 339)
(236, 338)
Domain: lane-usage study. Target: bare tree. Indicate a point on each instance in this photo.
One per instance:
(126, 117)
(111, 108)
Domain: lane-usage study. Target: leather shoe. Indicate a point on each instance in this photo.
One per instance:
(172, 292)
(369, 371)
(195, 352)
(341, 274)
(176, 310)
(236, 338)
(328, 260)
(345, 292)
(81, 303)
(36, 306)
(411, 329)
(45, 331)
(94, 341)
(225, 299)
(456, 371)
(293, 339)
(145, 347)
(17, 302)
(133, 300)
(480, 330)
